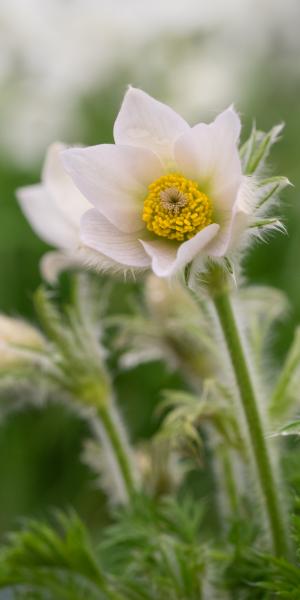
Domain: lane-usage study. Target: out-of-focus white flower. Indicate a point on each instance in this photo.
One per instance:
(166, 194)
(18, 340)
(54, 208)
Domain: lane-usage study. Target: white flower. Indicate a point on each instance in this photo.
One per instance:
(54, 208)
(165, 194)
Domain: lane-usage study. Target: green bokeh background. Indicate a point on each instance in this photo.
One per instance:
(40, 448)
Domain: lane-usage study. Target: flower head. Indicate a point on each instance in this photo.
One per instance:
(165, 193)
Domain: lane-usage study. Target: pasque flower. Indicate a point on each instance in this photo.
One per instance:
(54, 208)
(165, 194)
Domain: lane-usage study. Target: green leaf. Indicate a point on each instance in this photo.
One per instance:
(285, 393)
(256, 149)
(291, 428)
(270, 187)
(263, 306)
(271, 222)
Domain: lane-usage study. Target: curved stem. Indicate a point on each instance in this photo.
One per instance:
(257, 437)
(114, 431)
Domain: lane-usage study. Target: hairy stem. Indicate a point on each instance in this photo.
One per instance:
(261, 452)
(230, 483)
(116, 437)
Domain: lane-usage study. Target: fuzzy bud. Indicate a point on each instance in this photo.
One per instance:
(18, 340)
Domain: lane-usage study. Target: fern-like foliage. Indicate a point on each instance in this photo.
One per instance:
(157, 547)
(152, 552)
(44, 562)
(252, 575)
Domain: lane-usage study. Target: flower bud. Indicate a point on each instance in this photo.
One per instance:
(18, 340)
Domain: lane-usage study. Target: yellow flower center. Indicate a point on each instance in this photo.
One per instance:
(176, 208)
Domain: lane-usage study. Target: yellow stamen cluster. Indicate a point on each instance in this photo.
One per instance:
(175, 208)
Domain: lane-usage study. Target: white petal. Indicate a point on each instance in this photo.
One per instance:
(240, 223)
(147, 123)
(229, 235)
(115, 180)
(208, 154)
(228, 125)
(54, 263)
(42, 214)
(54, 207)
(219, 245)
(100, 235)
(242, 212)
(233, 228)
(68, 199)
(227, 174)
(168, 257)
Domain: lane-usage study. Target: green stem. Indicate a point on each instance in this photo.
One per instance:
(257, 437)
(231, 487)
(115, 434)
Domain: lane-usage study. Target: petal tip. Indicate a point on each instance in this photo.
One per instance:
(67, 156)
